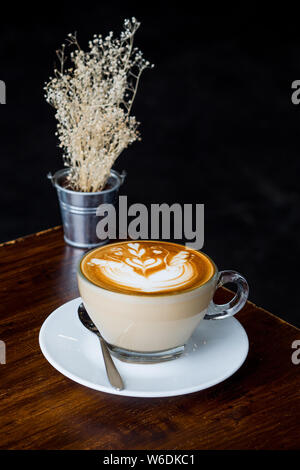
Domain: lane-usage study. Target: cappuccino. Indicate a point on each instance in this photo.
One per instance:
(147, 268)
(147, 297)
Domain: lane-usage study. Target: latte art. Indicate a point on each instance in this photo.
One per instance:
(146, 267)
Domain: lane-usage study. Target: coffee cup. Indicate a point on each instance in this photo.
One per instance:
(147, 297)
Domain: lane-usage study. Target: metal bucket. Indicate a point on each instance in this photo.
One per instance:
(78, 209)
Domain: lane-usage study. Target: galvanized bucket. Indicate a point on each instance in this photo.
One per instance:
(78, 209)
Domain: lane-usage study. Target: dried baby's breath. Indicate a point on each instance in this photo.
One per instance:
(93, 100)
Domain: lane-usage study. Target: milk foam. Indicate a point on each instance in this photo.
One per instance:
(146, 267)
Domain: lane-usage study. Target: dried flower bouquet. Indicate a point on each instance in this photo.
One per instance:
(93, 100)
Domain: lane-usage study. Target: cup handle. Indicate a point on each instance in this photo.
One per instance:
(218, 311)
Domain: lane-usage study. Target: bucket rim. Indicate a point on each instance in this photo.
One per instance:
(120, 177)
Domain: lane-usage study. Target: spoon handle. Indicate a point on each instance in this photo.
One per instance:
(112, 373)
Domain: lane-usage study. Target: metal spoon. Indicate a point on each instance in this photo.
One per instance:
(111, 370)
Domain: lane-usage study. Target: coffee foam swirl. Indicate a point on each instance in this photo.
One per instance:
(146, 267)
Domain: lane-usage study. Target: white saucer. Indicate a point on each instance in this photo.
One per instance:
(215, 351)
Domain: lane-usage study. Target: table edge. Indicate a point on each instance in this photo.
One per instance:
(25, 237)
(58, 227)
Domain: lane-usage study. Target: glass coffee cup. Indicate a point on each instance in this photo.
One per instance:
(147, 297)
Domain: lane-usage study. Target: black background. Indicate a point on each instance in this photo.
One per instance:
(217, 122)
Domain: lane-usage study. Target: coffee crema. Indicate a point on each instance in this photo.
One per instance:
(147, 267)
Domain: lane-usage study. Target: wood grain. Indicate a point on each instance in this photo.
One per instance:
(257, 408)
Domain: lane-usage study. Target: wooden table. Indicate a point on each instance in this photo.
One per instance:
(257, 408)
